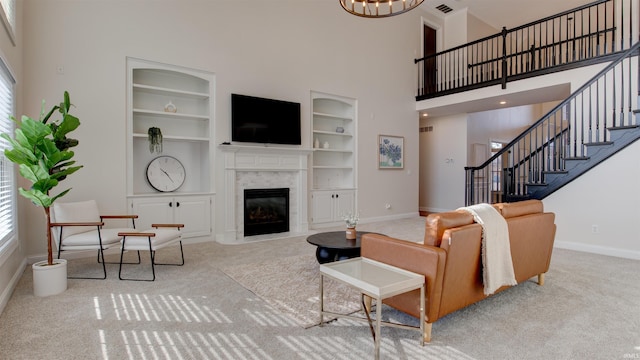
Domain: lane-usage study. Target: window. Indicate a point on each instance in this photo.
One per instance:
(497, 168)
(8, 15)
(8, 182)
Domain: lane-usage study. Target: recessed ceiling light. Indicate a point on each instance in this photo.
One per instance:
(425, 114)
(502, 102)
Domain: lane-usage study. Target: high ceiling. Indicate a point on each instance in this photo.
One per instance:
(508, 13)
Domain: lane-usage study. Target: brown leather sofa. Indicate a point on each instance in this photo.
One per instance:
(450, 257)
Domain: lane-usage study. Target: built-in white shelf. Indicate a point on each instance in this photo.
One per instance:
(333, 122)
(180, 102)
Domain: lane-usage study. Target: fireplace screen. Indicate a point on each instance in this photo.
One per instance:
(266, 211)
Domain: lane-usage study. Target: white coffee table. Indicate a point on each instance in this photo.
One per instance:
(378, 281)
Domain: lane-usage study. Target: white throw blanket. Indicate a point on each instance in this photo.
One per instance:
(496, 251)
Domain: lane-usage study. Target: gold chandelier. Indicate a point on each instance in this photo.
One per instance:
(377, 8)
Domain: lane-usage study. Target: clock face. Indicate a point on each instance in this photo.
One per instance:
(165, 173)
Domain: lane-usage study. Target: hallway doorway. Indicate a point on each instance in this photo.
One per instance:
(430, 47)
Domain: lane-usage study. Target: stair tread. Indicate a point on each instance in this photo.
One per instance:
(577, 158)
(536, 184)
(552, 172)
(624, 127)
(599, 143)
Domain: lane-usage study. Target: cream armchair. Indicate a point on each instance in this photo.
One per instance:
(78, 226)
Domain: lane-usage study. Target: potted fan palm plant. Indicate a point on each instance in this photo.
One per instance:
(41, 150)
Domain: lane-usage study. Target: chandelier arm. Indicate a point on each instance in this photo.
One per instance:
(383, 8)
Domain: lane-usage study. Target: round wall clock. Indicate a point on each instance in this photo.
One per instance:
(165, 173)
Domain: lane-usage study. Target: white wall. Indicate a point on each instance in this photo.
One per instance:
(457, 21)
(478, 29)
(606, 197)
(443, 156)
(279, 49)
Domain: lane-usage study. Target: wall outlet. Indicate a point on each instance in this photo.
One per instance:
(594, 229)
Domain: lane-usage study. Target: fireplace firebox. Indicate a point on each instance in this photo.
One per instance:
(266, 211)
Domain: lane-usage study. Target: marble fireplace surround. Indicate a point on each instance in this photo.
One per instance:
(259, 167)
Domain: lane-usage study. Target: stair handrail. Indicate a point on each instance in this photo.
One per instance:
(470, 170)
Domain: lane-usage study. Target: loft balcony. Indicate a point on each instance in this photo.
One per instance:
(587, 35)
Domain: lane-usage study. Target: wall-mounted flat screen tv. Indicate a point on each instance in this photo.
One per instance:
(261, 120)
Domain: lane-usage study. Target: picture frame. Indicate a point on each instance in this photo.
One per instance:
(390, 152)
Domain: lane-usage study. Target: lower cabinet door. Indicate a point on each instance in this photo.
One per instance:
(192, 211)
(345, 201)
(322, 203)
(195, 213)
(152, 211)
(329, 206)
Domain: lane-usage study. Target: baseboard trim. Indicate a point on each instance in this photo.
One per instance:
(599, 250)
(11, 286)
(70, 255)
(389, 217)
(433, 210)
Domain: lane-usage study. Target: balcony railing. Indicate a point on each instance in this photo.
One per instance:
(588, 34)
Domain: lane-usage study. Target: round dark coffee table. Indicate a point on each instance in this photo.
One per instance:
(334, 246)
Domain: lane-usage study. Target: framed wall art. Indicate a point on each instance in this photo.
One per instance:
(390, 152)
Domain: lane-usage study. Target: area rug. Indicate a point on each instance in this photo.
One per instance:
(292, 286)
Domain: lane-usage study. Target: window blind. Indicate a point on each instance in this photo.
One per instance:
(8, 182)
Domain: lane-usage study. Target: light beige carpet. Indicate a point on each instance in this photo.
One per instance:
(587, 309)
(292, 286)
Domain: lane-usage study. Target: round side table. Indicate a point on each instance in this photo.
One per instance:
(334, 245)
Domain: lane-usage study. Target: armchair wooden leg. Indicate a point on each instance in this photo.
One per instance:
(541, 279)
(426, 335)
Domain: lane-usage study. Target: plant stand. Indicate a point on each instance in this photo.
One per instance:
(49, 279)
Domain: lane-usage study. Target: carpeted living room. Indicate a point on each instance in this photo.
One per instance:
(215, 308)
(199, 115)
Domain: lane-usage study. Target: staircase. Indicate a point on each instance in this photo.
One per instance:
(595, 122)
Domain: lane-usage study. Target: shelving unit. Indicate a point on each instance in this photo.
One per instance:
(333, 189)
(187, 132)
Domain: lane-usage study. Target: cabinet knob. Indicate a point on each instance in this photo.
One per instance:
(333, 196)
(170, 204)
(177, 204)
(337, 196)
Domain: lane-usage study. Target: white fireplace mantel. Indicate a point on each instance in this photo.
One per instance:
(245, 167)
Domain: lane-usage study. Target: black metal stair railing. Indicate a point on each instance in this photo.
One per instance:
(596, 121)
(585, 35)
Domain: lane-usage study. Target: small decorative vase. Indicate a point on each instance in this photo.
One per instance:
(351, 233)
(170, 107)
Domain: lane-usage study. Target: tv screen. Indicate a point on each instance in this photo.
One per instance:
(260, 120)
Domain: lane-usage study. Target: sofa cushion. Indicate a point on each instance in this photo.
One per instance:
(436, 225)
(520, 208)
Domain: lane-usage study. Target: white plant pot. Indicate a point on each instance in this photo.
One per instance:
(49, 279)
